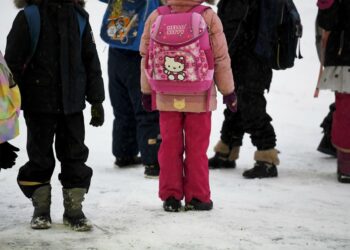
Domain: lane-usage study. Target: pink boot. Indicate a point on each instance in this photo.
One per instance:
(343, 167)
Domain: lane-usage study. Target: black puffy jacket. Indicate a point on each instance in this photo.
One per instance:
(337, 20)
(65, 69)
(240, 19)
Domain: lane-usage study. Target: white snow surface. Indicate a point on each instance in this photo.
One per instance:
(304, 208)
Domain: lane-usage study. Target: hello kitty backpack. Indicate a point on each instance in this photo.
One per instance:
(180, 60)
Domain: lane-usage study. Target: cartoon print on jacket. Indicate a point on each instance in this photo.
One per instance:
(121, 22)
(174, 68)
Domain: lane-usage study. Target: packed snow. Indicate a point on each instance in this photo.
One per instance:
(304, 208)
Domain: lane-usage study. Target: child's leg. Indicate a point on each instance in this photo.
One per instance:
(197, 134)
(341, 122)
(170, 155)
(124, 126)
(75, 176)
(147, 123)
(38, 170)
(72, 152)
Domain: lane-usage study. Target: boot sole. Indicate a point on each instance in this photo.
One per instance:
(172, 210)
(42, 227)
(343, 178)
(151, 176)
(77, 228)
(222, 164)
(40, 224)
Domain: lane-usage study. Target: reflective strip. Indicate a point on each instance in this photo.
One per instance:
(152, 141)
(32, 183)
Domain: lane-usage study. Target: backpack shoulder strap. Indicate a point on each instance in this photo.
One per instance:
(32, 15)
(82, 24)
(199, 9)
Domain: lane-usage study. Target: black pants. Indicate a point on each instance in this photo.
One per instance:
(69, 134)
(134, 129)
(252, 78)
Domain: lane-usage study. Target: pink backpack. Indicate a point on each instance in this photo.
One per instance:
(180, 59)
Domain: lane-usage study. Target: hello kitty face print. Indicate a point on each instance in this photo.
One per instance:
(174, 67)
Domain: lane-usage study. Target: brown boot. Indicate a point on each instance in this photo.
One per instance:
(224, 156)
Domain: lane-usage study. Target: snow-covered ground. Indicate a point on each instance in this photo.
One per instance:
(304, 208)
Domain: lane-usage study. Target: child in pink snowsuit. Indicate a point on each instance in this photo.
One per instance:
(185, 125)
(333, 17)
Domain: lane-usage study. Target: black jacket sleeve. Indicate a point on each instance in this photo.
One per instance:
(328, 19)
(95, 88)
(18, 47)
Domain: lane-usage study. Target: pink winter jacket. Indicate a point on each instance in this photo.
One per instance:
(223, 77)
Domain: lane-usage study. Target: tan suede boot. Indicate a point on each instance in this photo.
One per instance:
(224, 156)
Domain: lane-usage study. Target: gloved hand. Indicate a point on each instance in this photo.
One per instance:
(7, 155)
(147, 102)
(97, 115)
(324, 4)
(231, 101)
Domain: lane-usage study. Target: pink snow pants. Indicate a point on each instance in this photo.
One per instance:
(341, 121)
(187, 133)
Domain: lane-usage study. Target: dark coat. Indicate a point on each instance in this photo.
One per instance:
(240, 19)
(337, 20)
(65, 69)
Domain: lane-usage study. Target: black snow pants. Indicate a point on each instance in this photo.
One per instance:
(252, 78)
(67, 133)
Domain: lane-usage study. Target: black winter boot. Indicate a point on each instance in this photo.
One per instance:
(73, 215)
(343, 167)
(129, 161)
(172, 205)
(152, 171)
(221, 161)
(261, 170)
(196, 204)
(41, 200)
(225, 157)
